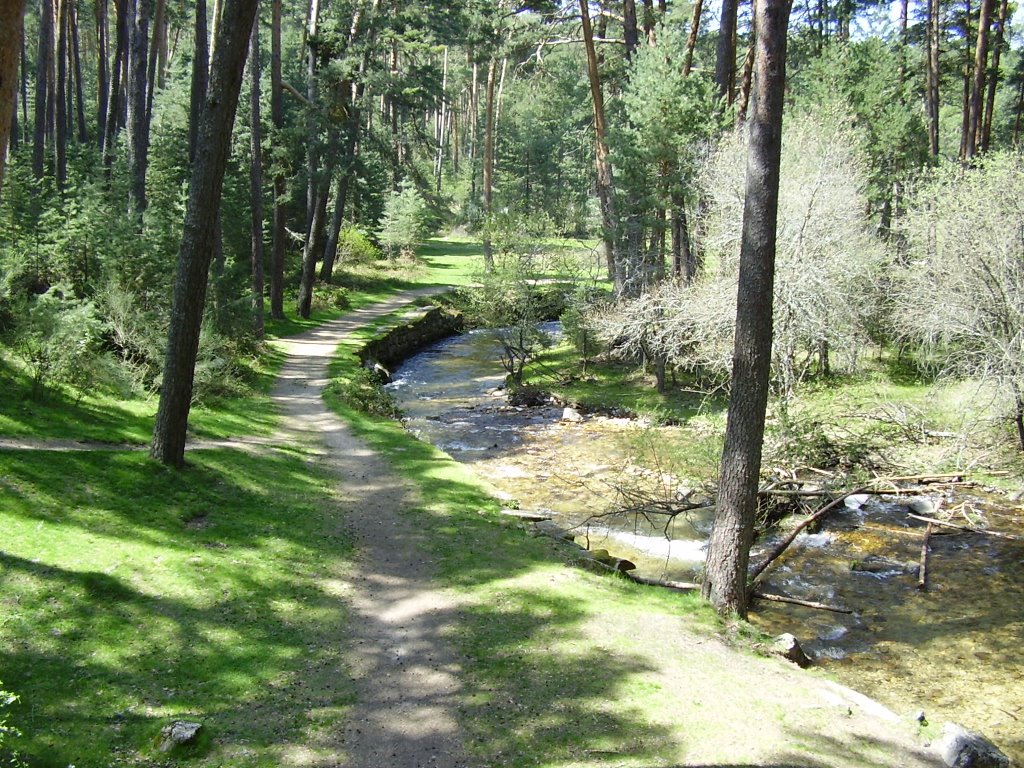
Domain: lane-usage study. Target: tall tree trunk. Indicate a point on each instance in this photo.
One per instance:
(967, 69)
(102, 77)
(630, 30)
(61, 125)
(114, 99)
(725, 56)
(76, 57)
(334, 231)
(44, 61)
(152, 73)
(488, 170)
(934, 35)
(994, 76)
(725, 575)
(12, 13)
(316, 187)
(442, 118)
(650, 21)
(691, 40)
(200, 78)
(745, 84)
(256, 179)
(974, 120)
(280, 188)
(138, 127)
(602, 161)
(194, 255)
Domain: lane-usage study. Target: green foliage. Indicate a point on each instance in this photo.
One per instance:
(59, 337)
(360, 388)
(329, 297)
(403, 224)
(355, 247)
(7, 731)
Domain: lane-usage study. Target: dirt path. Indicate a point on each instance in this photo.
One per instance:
(406, 674)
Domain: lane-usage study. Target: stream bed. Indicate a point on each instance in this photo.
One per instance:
(954, 651)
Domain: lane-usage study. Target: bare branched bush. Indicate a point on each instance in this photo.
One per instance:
(827, 266)
(960, 297)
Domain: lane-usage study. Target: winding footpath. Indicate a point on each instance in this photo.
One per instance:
(405, 672)
(716, 702)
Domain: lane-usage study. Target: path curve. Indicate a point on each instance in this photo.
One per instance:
(406, 674)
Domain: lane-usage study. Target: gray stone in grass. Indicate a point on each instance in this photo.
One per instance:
(180, 733)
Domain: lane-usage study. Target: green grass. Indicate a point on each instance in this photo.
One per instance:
(534, 672)
(132, 595)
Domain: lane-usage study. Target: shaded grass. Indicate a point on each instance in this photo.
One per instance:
(132, 595)
(539, 689)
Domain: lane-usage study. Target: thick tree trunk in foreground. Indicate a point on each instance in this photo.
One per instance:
(213, 146)
(11, 14)
(725, 575)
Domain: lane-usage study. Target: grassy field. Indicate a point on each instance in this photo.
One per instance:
(132, 595)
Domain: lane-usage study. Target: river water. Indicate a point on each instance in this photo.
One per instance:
(954, 651)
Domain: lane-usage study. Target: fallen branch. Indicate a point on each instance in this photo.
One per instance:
(784, 544)
(682, 586)
(922, 574)
(794, 601)
(966, 528)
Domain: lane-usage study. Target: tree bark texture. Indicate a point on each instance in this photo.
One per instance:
(602, 160)
(630, 29)
(113, 114)
(994, 77)
(256, 180)
(316, 192)
(138, 127)
(200, 77)
(280, 186)
(61, 102)
(976, 111)
(44, 63)
(725, 575)
(196, 251)
(488, 169)
(934, 32)
(725, 54)
(691, 39)
(11, 14)
(103, 79)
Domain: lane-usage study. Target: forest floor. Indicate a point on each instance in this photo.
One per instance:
(383, 614)
(722, 705)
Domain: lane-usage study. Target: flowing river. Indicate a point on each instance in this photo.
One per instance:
(954, 651)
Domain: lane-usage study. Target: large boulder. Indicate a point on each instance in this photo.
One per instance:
(961, 748)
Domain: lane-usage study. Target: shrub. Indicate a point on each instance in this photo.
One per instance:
(328, 296)
(403, 224)
(960, 296)
(355, 247)
(59, 338)
(361, 390)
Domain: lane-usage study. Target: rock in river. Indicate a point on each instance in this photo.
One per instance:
(961, 748)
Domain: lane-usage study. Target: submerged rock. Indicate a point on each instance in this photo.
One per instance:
(571, 415)
(961, 748)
